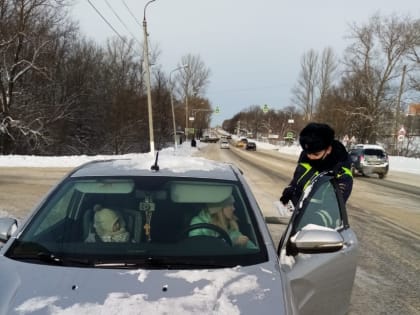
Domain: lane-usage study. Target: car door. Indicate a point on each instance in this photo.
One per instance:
(320, 274)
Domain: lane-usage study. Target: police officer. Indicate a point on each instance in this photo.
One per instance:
(320, 152)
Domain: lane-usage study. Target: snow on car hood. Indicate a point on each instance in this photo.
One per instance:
(39, 289)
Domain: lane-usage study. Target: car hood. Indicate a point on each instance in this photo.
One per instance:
(28, 288)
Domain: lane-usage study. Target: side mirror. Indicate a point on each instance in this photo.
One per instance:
(314, 241)
(8, 226)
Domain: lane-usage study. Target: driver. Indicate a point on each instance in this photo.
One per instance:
(221, 214)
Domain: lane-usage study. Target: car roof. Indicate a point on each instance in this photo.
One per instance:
(171, 166)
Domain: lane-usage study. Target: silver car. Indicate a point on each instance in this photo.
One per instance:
(115, 237)
(369, 159)
(224, 144)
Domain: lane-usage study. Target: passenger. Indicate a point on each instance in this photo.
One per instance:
(221, 214)
(109, 226)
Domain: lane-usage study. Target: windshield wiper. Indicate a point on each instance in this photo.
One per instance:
(166, 263)
(49, 257)
(63, 261)
(116, 265)
(136, 263)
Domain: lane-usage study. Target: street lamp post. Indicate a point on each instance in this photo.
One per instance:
(172, 101)
(149, 92)
(291, 121)
(186, 114)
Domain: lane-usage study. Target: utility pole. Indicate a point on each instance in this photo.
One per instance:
(397, 113)
(149, 92)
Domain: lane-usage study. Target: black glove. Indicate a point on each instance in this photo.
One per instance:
(337, 170)
(287, 195)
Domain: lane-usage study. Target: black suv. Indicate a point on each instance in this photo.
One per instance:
(369, 159)
(251, 146)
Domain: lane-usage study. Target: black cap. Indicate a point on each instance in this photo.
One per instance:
(316, 137)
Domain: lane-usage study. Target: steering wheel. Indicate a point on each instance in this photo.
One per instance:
(222, 233)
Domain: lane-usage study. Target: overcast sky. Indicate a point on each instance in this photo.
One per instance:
(253, 48)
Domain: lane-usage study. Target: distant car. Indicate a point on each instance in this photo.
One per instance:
(251, 146)
(54, 263)
(369, 159)
(210, 139)
(224, 144)
(242, 143)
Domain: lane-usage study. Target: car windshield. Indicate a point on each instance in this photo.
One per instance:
(156, 222)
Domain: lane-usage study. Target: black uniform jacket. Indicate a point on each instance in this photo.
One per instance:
(337, 161)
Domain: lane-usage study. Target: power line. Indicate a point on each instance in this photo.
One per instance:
(122, 22)
(131, 13)
(106, 21)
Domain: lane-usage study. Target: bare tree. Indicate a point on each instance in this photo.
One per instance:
(25, 35)
(305, 89)
(193, 80)
(120, 109)
(375, 58)
(414, 58)
(327, 68)
(316, 78)
(77, 80)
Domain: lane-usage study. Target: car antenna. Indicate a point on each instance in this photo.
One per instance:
(155, 167)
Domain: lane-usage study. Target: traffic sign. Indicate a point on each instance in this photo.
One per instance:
(265, 108)
(401, 132)
(401, 138)
(189, 131)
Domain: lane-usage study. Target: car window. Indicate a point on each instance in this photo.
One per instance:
(355, 152)
(322, 208)
(375, 152)
(154, 218)
(57, 209)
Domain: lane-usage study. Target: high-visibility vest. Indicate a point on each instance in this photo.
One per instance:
(310, 174)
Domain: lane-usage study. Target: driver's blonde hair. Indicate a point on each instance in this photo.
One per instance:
(218, 218)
